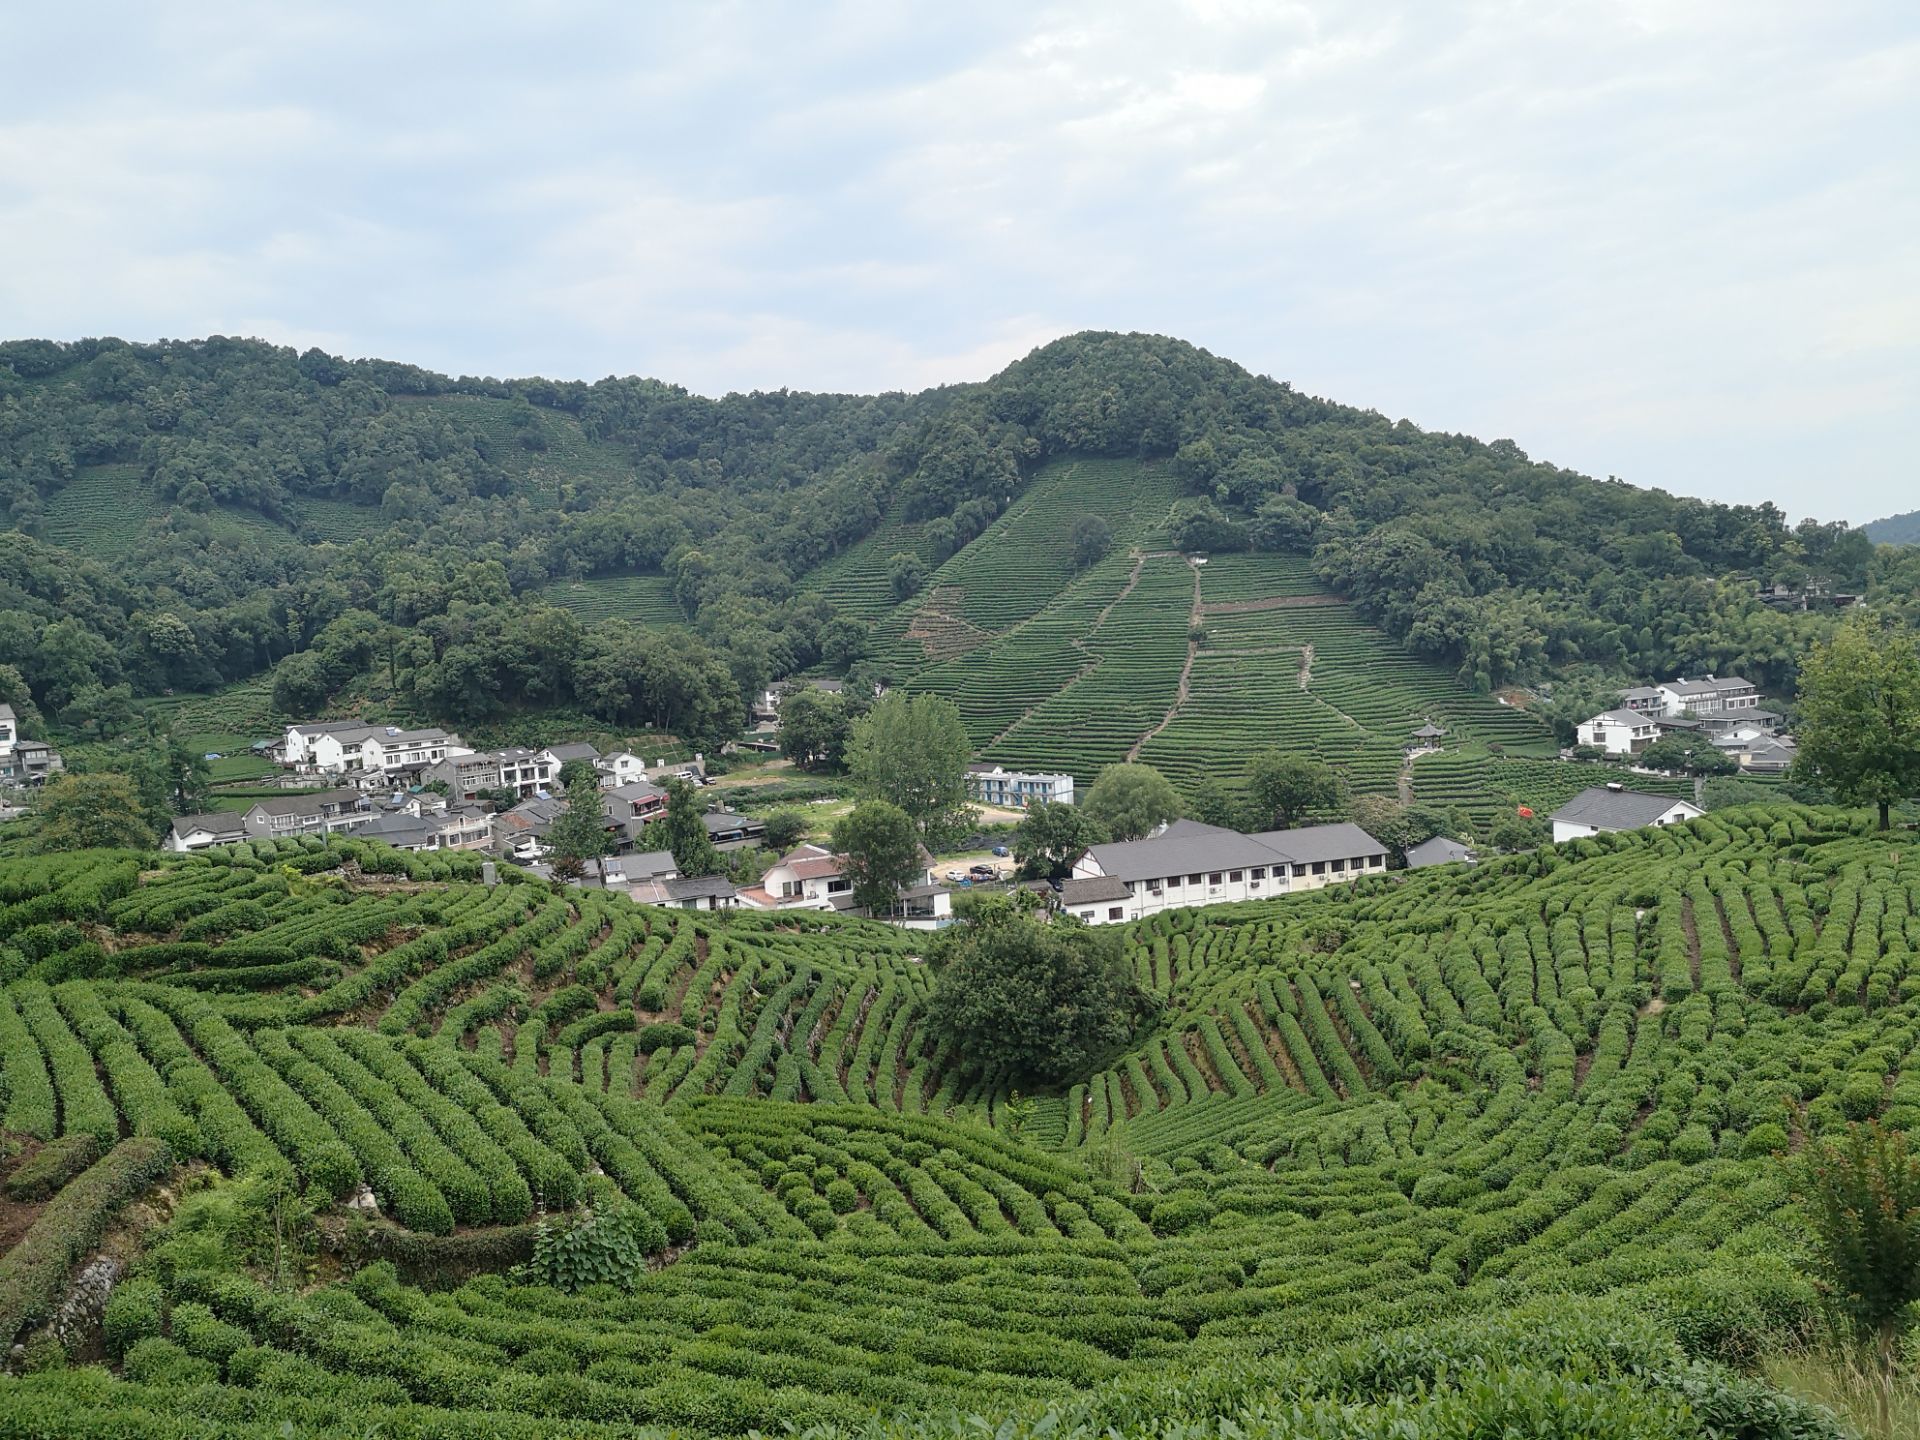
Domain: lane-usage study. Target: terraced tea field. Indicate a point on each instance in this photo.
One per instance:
(106, 510)
(646, 599)
(1516, 1123)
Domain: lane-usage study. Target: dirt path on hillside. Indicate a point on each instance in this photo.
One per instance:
(1271, 602)
(1079, 643)
(1306, 665)
(1185, 687)
(1406, 780)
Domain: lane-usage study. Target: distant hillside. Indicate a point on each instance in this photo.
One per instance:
(191, 515)
(1896, 529)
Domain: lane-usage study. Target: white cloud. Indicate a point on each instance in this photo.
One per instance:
(1636, 236)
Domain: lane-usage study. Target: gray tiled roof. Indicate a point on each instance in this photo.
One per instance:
(216, 822)
(1311, 843)
(1614, 809)
(1440, 850)
(1095, 890)
(701, 887)
(1622, 717)
(573, 750)
(1187, 847)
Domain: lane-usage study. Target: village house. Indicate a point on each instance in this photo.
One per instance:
(622, 767)
(1187, 863)
(811, 877)
(353, 746)
(24, 762)
(1618, 732)
(520, 834)
(284, 817)
(1609, 809)
(1017, 789)
(1721, 695)
(467, 777)
(631, 808)
(1440, 850)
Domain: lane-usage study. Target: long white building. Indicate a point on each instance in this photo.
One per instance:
(1187, 863)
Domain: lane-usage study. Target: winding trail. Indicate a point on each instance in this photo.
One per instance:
(1185, 687)
(1079, 643)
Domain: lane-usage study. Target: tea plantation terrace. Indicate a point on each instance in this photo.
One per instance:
(1186, 863)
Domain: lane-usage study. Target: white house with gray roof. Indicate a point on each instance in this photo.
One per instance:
(1187, 863)
(353, 746)
(1714, 695)
(1618, 732)
(1609, 809)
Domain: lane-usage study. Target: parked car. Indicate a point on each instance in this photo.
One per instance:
(1002, 851)
(956, 876)
(982, 871)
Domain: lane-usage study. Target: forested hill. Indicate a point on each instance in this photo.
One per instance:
(190, 513)
(1896, 529)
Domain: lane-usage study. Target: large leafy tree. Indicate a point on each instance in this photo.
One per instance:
(1041, 1001)
(1051, 837)
(88, 812)
(815, 727)
(1859, 715)
(579, 834)
(912, 752)
(1128, 800)
(1691, 755)
(682, 832)
(1283, 788)
(883, 856)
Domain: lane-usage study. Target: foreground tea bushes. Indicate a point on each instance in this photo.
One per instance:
(1423, 1107)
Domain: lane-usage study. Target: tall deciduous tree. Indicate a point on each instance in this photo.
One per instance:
(912, 753)
(579, 834)
(1859, 715)
(1285, 787)
(87, 812)
(1051, 837)
(785, 826)
(814, 729)
(882, 850)
(682, 832)
(1128, 800)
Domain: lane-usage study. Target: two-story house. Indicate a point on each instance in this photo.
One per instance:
(1017, 789)
(24, 762)
(1715, 695)
(1618, 732)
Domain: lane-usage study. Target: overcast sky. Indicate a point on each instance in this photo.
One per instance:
(1676, 242)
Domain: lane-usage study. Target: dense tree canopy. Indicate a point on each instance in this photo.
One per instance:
(1129, 800)
(1859, 716)
(460, 499)
(1042, 1002)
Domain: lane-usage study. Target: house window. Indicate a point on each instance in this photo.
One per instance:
(1114, 912)
(1193, 879)
(1338, 866)
(1319, 867)
(1086, 914)
(1258, 873)
(1374, 862)
(1234, 876)
(837, 886)
(1214, 878)
(789, 889)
